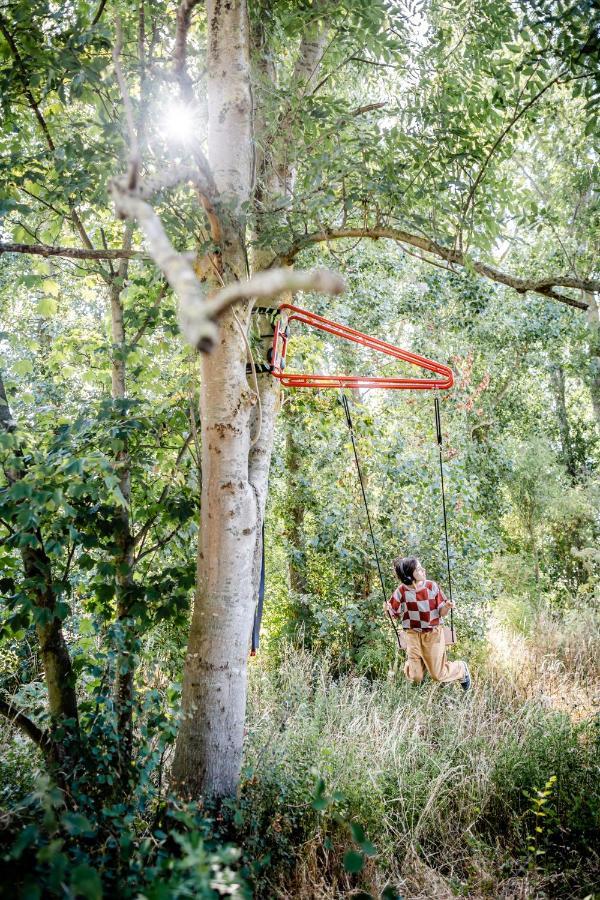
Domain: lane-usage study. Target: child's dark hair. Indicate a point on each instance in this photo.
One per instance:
(404, 567)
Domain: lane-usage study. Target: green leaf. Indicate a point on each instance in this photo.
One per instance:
(76, 824)
(47, 307)
(62, 610)
(25, 839)
(23, 367)
(358, 832)
(85, 882)
(353, 861)
(50, 286)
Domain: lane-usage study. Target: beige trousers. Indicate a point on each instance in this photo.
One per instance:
(427, 650)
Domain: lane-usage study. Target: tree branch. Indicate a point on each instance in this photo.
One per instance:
(545, 287)
(154, 310)
(369, 107)
(70, 252)
(197, 312)
(209, 194)
(134, 147)
(184, 18)
(272, 283)
(99, 12)
(159, 544)
(25, 80)
(177, 267)
(25, 724)
(513, 121)
(140, 537)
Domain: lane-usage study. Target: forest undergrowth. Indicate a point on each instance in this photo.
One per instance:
(366, 786)
(352, 786)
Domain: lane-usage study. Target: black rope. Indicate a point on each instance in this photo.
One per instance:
(346, 406)
(258, 613)
(438, 428)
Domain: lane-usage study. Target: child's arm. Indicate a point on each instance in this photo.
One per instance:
(444, 605)
(393, 606)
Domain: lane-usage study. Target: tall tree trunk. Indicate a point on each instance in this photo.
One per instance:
(295, 507)
(209, 743)
(124, 539)
(235, 468)
(594, 326)
(557, 377)
(56, 661)
(208, 751)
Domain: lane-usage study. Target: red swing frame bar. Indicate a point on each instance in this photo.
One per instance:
(289, 313)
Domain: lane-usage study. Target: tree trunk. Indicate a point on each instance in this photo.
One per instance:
(557, 377)
(263, 418)
(56, 661)
(594, 326)
(235, 469)
(294, 513)
(127, 632)
(209, 743)
(60, 679)
(208, 751)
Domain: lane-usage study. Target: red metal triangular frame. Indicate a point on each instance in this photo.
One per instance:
(289, 313)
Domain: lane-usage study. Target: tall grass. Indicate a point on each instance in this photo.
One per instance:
(442, 783)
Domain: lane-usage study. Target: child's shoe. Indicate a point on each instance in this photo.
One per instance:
(466, 682)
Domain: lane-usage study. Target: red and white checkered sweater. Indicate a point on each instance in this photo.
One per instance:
(419, 608)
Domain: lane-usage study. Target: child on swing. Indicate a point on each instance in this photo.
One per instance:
(421, 605)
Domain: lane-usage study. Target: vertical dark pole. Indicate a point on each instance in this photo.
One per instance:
(438, 428)
(261, 599)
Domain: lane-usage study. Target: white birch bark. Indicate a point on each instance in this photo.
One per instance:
(209, 745)
(208, 752)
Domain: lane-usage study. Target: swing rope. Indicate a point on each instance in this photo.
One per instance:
(438, 428)
(346, 406)
(440, 442)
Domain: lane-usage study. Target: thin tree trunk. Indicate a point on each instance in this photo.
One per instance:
(594, 326)
(124, 539)
(295, 507)
(557, 377)
(263, 433)
(276, 173)
(56, 661)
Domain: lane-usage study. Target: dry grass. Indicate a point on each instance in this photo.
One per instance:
(557, 661)
(426, 771)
